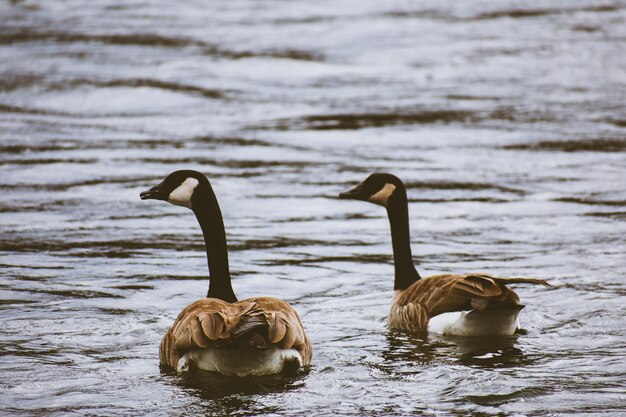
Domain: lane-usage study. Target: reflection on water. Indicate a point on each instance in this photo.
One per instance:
(210, 386)
(487, 352)
(505, 121)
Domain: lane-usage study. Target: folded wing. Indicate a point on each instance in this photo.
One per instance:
(440, 294)
(211, 322)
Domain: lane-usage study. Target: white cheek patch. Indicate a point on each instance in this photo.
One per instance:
(181, 196)
(382, 197)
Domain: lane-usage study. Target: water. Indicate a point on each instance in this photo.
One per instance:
(506, 121)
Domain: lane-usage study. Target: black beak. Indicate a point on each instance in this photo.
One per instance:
(354, 194)
(153, 193)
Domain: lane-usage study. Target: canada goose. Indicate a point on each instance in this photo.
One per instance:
(462, 305)
(257, 336)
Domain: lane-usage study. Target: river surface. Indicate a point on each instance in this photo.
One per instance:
(506, 120)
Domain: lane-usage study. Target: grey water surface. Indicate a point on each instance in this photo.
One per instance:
(507, 121)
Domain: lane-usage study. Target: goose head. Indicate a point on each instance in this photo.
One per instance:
(177, 188)
(378, 188)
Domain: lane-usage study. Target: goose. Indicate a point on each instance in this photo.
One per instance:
(256, 336)
(448, 304)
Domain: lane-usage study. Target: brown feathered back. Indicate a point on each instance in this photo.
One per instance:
(429, 297)
(211, 320)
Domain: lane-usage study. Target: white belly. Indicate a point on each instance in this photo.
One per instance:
(461, 323)
(240, 361)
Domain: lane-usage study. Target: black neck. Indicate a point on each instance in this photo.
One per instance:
(210, 218)
(398, 212)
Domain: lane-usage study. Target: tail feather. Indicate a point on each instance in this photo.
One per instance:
(248, 323)
(522, 280)
(168, 355)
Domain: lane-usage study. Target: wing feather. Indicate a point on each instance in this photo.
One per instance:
(212, 325)
(277, 327)
(198, 335)
(289, 339)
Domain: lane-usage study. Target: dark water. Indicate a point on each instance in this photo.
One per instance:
(507, 121)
